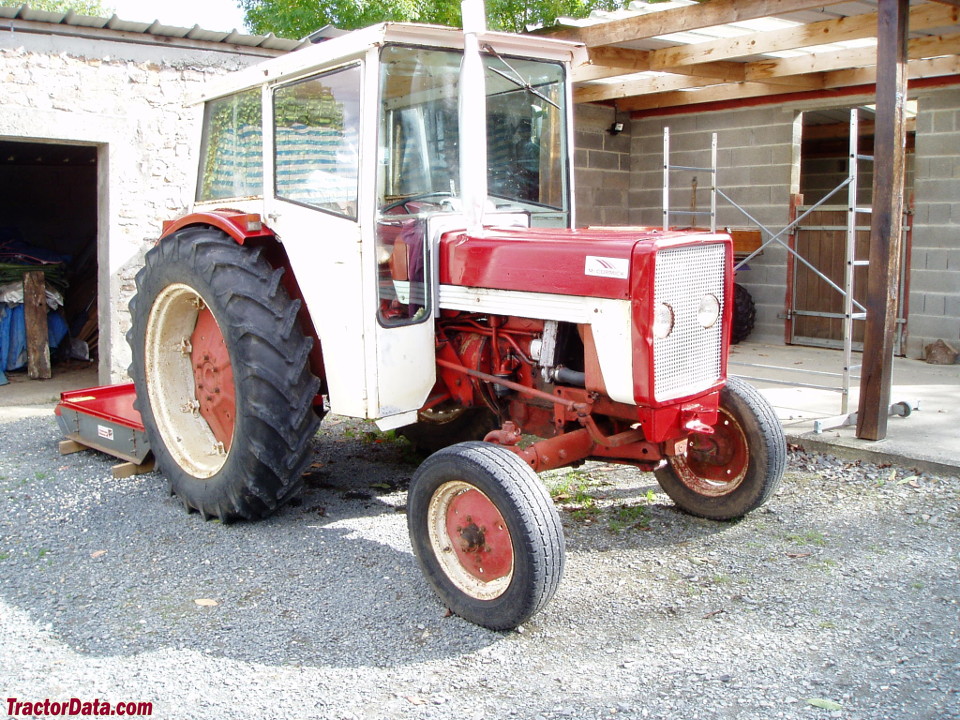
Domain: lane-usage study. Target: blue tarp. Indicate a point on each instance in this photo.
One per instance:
(13, 336)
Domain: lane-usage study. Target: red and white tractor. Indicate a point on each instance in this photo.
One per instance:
(384, 227)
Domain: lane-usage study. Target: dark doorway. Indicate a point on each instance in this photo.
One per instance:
(48, 219)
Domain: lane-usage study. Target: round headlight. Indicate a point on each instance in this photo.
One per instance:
(709, 311)
(662, 321)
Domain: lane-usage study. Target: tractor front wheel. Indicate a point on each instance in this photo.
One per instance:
(735, 469)
(486, 534)
(222, 375)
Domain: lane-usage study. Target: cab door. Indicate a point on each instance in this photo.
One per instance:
(320, 201)
(312, 197)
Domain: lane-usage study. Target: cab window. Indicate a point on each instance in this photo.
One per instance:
(231, 153)
(316, 134)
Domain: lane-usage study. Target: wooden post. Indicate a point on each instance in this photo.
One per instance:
(885, 228)
(35, 318)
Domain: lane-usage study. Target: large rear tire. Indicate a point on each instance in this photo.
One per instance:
(744, 314)
(486, 534)
(734, 470)
(222, 374)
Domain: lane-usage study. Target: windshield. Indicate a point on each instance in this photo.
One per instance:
(420, 140)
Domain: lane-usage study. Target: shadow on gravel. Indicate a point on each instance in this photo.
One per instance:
(115, 567)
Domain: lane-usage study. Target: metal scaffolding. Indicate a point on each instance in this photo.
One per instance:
(852, 309)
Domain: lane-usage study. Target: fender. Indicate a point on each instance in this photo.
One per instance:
(248, 229)
(238, 225)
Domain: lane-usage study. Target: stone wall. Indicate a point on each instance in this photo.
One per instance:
(133, 109)
(756, 169)
(935, 261)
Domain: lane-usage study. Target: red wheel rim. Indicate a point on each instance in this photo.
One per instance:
(470, 540)
(213, 378)
(480, 537)
(717, 463)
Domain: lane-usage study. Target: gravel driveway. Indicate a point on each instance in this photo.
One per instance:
(837, 599)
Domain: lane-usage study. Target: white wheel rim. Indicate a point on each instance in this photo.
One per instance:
(441, 543)
(170, 382)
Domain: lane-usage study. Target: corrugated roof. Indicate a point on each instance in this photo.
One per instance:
(70, 20)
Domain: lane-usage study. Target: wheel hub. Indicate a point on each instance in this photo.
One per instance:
(184, 349)
(715, 464)
(481, 540)
(470, 540)
(213, 377)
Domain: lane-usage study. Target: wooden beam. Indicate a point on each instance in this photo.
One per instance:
(923, 47)
(641, 86)
(35, 319)
(886, 221)
(612, 61)
(854, 27)
(773, 70)
(954, 3)
(637, 86)
(694, 17)
(918, 69)
(679, 98)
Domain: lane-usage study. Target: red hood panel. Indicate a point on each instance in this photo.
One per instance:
(591, 262)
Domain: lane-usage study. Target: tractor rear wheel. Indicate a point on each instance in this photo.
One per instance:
(734, 470)
(486, 534)
(744, 314)
(222, 375)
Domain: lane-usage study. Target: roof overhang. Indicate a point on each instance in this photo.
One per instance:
(686, 56)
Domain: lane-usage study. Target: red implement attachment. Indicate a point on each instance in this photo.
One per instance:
(104, 419)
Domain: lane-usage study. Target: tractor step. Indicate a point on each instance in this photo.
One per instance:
(104, 419)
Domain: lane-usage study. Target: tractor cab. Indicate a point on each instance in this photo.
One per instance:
(354, 153)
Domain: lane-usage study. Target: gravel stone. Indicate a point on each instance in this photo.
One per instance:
(844, 587)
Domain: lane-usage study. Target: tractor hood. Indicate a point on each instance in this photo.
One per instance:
(590, 262)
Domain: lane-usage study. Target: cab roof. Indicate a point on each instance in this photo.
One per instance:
(356, 44)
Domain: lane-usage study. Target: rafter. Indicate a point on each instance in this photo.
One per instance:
(717, 12)
(613, 61)
(597, 92)
(917, 69)
(641, 86)
(923, 47)
(828, 31)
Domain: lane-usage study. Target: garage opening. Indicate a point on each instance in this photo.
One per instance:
(838, 232)
(48, 222)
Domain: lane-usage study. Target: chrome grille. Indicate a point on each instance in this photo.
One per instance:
(688, 360)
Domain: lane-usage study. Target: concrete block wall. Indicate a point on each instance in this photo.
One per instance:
(129, 101)
(756, 169)
(601, 168)
(935, 261)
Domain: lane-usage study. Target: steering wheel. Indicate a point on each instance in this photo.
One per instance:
(413, 198)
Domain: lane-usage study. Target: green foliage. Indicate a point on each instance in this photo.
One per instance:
(299, 18)
(625, 517)
(93, 8)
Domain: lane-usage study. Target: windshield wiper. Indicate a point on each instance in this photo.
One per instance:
(517, 79)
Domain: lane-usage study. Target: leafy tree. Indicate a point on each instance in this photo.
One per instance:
(298, 18)
(93, 8)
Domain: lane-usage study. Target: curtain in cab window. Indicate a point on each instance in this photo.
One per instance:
(316, 134)
(231, 164)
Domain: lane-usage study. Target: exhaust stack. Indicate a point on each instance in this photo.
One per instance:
(472, 108)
